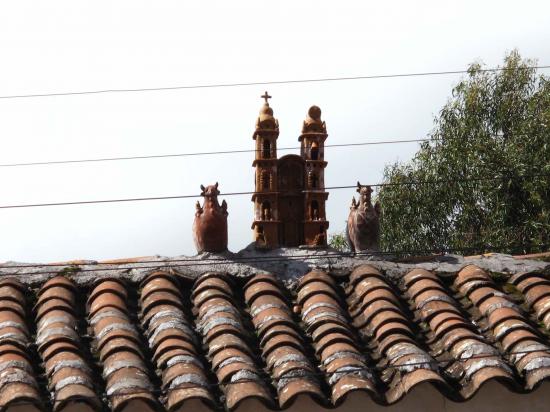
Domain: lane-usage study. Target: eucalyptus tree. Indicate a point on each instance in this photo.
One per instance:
(483, 180)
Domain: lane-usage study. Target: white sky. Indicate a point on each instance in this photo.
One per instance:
(85, 45)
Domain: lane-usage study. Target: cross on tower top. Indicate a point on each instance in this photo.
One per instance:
(265, 96)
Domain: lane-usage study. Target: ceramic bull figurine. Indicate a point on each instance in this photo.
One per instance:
(363, 228)
(210, 225)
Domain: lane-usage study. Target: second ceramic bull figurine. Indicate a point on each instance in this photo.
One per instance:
(363, 228)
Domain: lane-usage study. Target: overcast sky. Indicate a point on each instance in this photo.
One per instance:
(86, 45)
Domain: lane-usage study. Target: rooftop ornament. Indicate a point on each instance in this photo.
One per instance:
(210, 225)
(363, 228)
(289, 196)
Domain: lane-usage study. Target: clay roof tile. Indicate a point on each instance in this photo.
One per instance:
(112, 286)
(417, 275)
(260, 288)
(240, 391)
(263, 277)
(351, 383)
(159, 284)
(107, 300)
(372, 321)
(313, 288)
(294, 387)
(363, 271)
(219, 282)
(20, 392)
(172, 347)
(58, 281)
(187, 390)
(471, 273)
(520, 277)
(161, 297)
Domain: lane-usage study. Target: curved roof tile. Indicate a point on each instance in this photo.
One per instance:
(17, 380)
(455, 337)
(221, 326)
(226, 341)
(526, 349)
(337, 351)
(406, 363)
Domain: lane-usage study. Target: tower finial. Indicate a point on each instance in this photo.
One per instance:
(266, 96)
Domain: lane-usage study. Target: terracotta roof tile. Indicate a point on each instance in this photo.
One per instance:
(227, 341)
(57, 287)
(111, 286)
(459, 339)
(535, 289)
(159, 281)
(407, 363)
(173, 341)
(508, 326)
(17, 380)
(222, 327)
(319, 297)
(261, 288)
(118, 343)
(107, 301)
(282, 346)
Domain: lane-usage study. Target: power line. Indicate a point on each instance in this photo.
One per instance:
(139, 199)
(209, 259)
(191, 262)
(110, 159)
(265, 83)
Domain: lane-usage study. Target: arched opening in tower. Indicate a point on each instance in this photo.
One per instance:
(314, 210)
(266, 210)
(314, 151)
(266, 149)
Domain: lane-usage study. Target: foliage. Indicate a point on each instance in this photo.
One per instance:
(339, 242)
(483, 182)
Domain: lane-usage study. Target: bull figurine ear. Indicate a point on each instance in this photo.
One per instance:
(202, 190)
(358, 184)
(216, 185)
(358, 187)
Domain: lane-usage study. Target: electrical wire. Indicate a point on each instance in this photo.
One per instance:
(223, 152)
(233, 259)
(139, 199)
(192, 262)
(266, 83)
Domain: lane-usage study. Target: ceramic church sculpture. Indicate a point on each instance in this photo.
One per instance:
(363, 228)
(289, 198)
(210, 225)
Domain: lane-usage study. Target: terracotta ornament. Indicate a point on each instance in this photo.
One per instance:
(210, 225)
(363, 229)
(289, 196)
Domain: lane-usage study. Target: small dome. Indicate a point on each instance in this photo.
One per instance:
(266, 111)
(313, 122)
(314, 113)
(266, 119)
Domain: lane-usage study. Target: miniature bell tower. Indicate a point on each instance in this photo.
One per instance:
(289, 198)
(265, 197)
(312, 150)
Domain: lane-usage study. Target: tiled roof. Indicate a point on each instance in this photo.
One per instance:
(224, 340)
